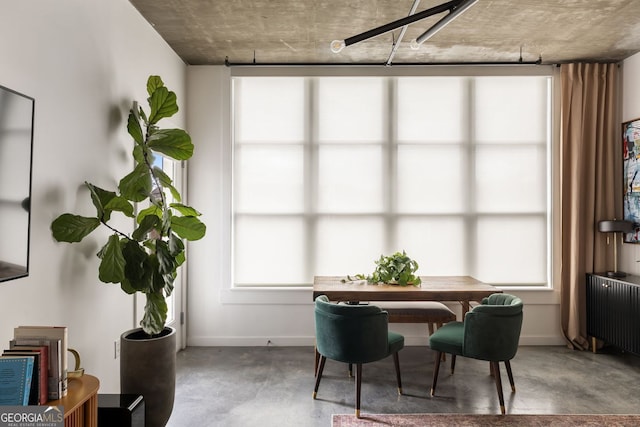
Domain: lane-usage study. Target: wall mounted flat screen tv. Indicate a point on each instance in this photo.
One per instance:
(16, 145)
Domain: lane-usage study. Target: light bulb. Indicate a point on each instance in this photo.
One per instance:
(415, 45)
(337, 46)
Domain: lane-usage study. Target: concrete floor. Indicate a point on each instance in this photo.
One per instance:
(272, 386)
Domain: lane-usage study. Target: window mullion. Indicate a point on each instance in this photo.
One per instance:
(471, 213)
(311, 173)
(390, 173)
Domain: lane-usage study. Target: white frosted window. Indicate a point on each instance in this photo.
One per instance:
(350, 179)
(511, 179)
(439, 243)
(431, 109)
(511, 109)
(511, 250)
(272, 109)
(351, 109)
(270, 248)
(269, 179)
(431, 179)
(348, 245)
(331, 172)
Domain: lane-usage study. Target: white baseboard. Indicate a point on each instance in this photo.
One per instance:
(410, 340)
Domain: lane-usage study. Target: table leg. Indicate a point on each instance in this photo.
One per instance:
(465, 307)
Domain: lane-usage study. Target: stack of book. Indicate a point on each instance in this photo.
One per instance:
(33, 370)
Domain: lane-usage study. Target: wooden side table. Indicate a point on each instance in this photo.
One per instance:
(81, 402)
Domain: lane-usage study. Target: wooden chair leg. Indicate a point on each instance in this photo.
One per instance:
(319, 375)
(496, 373)
(510, 374)
(396, 363)
(436, 368)
(350, 370)
(431, 328)
(439, 325)
(453, 363)
(358, 384)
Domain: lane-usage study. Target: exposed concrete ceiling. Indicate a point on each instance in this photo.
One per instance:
(300, 31)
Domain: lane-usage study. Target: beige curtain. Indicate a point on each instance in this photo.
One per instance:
(591, 183)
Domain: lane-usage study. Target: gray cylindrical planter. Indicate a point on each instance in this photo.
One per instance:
(148, 368)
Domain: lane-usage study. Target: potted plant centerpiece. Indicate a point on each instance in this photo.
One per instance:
(395, 269)
(146, 260)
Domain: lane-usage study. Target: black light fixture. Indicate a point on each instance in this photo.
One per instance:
(455, 8)
(615, 226)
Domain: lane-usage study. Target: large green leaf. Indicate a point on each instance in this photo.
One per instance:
(163, 104)
(139, 270)
(100, 198)
(120, 204)
(185, 210)
(174, 143)
(188, 227)
(176, 246)
(73, 228)
(166, 262)
(151, 210)
(112, 262)
(153, 83)
(134, 128)
(155, 313)
(136, 186)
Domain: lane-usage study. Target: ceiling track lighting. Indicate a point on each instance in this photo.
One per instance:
(455, 8)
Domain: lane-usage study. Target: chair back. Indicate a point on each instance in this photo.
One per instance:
(492, 329)
(351, 333)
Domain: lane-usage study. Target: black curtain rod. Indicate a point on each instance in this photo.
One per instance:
(374, 64)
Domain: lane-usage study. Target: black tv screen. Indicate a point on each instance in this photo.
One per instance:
(16, 145)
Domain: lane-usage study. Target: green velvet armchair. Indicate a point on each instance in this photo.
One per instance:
(491, 331)
(354, 334)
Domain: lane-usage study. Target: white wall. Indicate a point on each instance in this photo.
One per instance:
(630, 252)
(218, 315)
(83, 61)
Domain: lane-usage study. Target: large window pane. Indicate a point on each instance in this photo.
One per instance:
(348, 245)
(431, 109)
(431, 179)
(511, 250)
(350, 179)
(269, 251)
(269, 179)
(351, 109)
(511, 109)
(269, 109)
(511, 179)
(439, 243)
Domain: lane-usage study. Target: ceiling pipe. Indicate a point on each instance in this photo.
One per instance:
(453, 14)
(338, 45)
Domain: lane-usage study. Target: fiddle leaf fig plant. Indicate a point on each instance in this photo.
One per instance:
(397, 269)
(147, 259)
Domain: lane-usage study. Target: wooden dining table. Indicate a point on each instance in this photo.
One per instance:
(463, 289)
